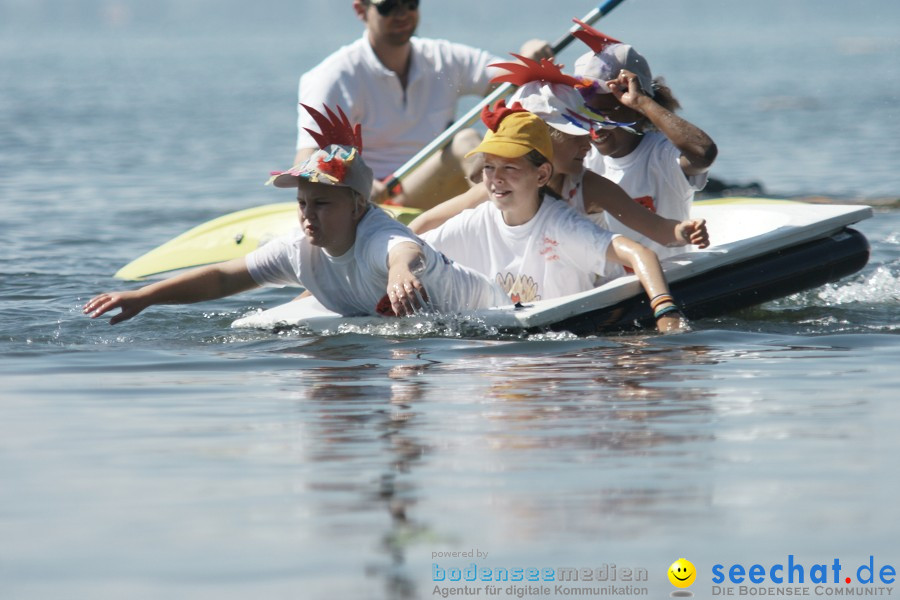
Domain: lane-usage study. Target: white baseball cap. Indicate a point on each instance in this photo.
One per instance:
(559, 105)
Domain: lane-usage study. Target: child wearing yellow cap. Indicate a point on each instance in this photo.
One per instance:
(539, 248)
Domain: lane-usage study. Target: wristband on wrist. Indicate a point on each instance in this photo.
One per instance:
(665, 310)
(659, 300)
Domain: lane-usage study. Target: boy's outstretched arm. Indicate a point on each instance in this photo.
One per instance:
(198, 285)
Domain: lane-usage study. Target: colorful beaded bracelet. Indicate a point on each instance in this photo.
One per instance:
(666, 310)
(659, 300)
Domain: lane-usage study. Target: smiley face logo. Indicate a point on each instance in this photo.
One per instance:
(682, 573)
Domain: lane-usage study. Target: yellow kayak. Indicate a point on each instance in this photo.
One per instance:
(224, 238)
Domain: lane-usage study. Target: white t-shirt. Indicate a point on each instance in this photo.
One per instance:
(573, 194)
(652, 176)
(352, 284)
(396, 123)
(557, 252)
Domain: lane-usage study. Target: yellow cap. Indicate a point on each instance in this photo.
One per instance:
(518, 134)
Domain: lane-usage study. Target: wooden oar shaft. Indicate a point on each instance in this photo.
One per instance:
(500, 92)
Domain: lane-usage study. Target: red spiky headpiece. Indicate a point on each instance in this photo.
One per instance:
(595, 40)
(530, 70)
(493, 118)
(335, 129)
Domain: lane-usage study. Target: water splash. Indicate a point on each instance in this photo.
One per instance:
(433, 325)
(881, 286)
(864, 303)
(426, 325)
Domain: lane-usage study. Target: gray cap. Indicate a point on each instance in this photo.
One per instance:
(605, 65)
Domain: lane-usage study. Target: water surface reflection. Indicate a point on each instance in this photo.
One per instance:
(500, 445)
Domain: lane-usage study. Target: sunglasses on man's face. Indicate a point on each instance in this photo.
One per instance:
(386, 7)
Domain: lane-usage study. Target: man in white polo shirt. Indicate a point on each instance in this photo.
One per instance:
(403, 90)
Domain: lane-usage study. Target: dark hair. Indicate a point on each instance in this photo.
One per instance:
(537, 159)
(663, 96)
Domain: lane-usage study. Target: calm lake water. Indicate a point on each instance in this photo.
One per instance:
(173, 457)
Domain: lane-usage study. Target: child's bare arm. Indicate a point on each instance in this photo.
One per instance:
(601, 194)
(198, 285)
(646, 267)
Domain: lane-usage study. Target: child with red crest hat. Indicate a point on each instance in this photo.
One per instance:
(661, 159)
(348, 253)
